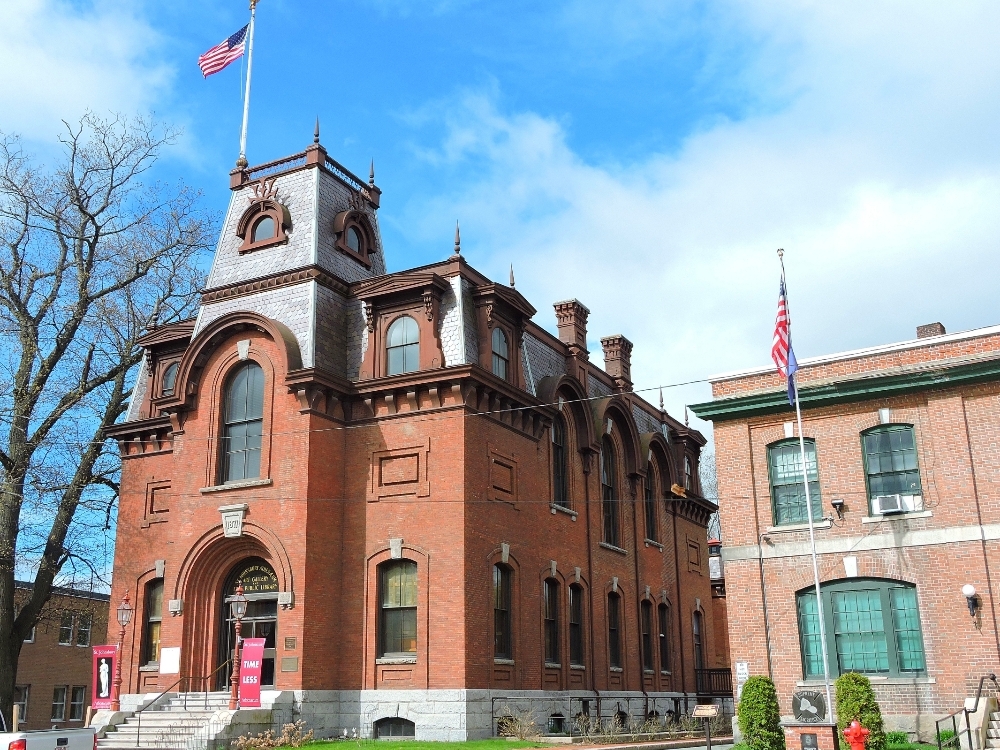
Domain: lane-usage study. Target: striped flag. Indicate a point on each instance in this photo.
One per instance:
(781, 346)
(223, 53)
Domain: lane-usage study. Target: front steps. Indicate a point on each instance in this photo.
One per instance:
(171, 725)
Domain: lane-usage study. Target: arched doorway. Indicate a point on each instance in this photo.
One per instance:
(260, 586)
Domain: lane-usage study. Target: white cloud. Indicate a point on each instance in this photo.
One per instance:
(880, 175)
(60, 60)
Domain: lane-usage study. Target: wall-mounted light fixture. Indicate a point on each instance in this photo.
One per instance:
(969, 592)
(838, 505)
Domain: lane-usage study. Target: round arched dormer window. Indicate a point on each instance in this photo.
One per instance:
(354, 235)
(354, 239)
(169, 379)
(262, 230)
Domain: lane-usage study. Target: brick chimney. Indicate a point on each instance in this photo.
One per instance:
(571, 319)
(618, 360)
(931, 329)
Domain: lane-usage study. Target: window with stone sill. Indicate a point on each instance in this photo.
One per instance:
(576, 625)
(169, 379)
(152, 624)
(21, 695)
(652, 531)
(501, 353)
(502, 615)
(551, 616)
(646, 629)
(242, 423)
(560, 468)
(663, 622)
(614, 631)
(66, 629)
(59, 703)
(788, 497)
(609, 492)
(890, 459)
(397, 621)
(402, 351)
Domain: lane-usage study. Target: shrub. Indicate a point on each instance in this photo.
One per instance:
(758, 715)
(856, 700)
(291, 736)
(897, 738)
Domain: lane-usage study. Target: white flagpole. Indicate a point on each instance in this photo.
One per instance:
(809, 509)
(242, 161)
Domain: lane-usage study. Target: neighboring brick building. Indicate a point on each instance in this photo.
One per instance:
(54, 671)
(436, 505)
(903, 463)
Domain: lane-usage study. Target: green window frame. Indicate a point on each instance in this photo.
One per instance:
(872, 627)
(891, 465)
(788, 498)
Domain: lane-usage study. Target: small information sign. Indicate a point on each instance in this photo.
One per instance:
(705, 711)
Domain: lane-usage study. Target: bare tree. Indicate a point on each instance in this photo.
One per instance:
(90, 259)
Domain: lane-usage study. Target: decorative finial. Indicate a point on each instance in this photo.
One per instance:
(511, 275)
(458, 241)
(316, 131)
(661, 398)
(371, 174)
(242, 162)
(781, 254)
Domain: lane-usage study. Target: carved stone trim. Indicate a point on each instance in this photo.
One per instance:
(265, 283)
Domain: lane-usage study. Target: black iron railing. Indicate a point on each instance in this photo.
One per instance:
(714, 681)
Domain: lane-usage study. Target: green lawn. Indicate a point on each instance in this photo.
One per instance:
(414, 745)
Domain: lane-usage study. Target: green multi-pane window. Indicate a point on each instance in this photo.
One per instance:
(891, 461)
(872, 627)
(788, 496)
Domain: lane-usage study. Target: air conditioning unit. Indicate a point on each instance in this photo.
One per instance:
(883, 505)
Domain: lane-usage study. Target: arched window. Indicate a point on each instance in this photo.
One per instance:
(699, 651)
(354, 240)
(576, 625)
(398, 608)
(663, 621)
(560, 469)
(614, 630)
(263, 229)
(646, 623)
(609, 492)
(151, 626)
(501, 354)
(788, 498)
(502, 615)
(403, 348)
(872, 627)
(394, 726)
(551, 606)
(243, 423)
(652, 533)
(169, 379)
(688, 474)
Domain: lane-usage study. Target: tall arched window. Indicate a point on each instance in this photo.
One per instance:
(663, 621)
(560, 469)
(652, 532)
(614, 630)
(502, 616)
(699, 650)
(501, 353)
(243, 423)
(169, 380)
(151, 626)
(398, 608)
(576, 624)
(609, 492)
(403, 348)
(646, 623)
(551, 613)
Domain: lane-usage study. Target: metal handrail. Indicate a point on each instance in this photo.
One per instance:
(209, 676)
(955, 727)
(138, 713)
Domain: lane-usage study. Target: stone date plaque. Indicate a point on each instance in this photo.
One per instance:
(809, 741)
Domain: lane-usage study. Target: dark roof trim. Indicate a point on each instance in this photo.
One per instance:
(65, 591)
(846, 391)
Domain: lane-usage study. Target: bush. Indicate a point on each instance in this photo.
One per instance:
(291, 736)
(897, 738)
(856, 700)
(758, 715)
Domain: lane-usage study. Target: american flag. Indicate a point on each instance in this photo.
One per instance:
(781, 346)
(223, 53)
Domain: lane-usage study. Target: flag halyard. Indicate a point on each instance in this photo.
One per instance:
(223, 53)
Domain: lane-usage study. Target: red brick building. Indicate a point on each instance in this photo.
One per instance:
(436, 505)
(53, 685)
(901, 451)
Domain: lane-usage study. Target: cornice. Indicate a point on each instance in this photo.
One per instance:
(398, 283)
(274, 281)
(511, 297)
(166, 334)
(847, 391)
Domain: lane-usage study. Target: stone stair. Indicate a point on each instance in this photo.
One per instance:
(993, 730)
(168, 726)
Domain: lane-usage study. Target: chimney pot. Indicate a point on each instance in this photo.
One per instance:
(618, 360)
(931, 329)
(571, 320)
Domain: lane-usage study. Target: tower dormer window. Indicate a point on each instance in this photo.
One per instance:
(263, 229)
(266, 221)
(354, 239)
(354, 235)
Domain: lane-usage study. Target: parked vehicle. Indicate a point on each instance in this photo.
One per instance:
(78, 738)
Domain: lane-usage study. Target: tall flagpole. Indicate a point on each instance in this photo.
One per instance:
(809, 509)
(242, 161)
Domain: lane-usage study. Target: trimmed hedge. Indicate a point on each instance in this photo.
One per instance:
(758, 715)
(856, 700)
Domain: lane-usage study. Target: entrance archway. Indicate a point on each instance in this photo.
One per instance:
(260, 586)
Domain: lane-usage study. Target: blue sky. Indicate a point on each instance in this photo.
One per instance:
(645, 157)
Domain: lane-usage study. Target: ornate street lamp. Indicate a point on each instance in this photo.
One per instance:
(124, 618)
(238, 608)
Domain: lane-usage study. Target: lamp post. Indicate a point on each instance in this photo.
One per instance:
(238, 607)
(124, 618)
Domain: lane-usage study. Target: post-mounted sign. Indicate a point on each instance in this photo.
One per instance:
(104, 674)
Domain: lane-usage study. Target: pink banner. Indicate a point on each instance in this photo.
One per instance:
(251, 661)
(104, 675)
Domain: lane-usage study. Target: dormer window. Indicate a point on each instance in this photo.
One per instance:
(265, 222)
(354, 235)
(263, 229)
(403, 348)
(169, 379)
(501, 353)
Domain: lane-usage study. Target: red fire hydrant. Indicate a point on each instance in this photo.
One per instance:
(856, 735)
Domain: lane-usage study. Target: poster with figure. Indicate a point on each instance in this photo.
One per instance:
(104, 675)
(251, 663)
